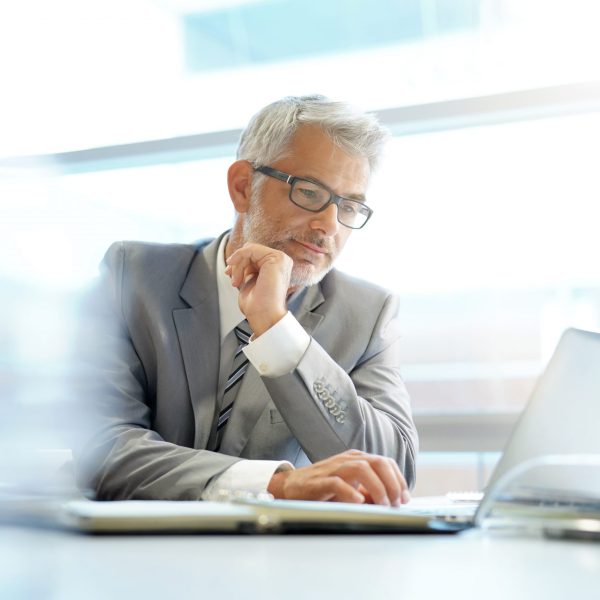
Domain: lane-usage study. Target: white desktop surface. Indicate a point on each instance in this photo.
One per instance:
(44, 564)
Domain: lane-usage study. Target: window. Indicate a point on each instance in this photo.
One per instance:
(485, 222)
(489, 236)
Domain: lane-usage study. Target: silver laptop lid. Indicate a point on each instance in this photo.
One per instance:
(555, 445)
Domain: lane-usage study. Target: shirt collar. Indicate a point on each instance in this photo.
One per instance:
(229, 310)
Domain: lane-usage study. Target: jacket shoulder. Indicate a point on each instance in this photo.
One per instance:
(149, 254)
(353, 289)
(144, 266)
(353, 300)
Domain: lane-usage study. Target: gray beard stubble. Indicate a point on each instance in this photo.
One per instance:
(255, 229)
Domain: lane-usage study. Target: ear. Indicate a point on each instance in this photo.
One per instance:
(239, 181)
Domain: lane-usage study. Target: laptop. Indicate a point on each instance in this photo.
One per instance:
(548, 478)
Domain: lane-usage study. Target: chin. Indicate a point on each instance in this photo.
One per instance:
(305, 275)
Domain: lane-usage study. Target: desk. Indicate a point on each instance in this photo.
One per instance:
(38, 564)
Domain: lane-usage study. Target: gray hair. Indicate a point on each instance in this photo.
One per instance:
(267, 137)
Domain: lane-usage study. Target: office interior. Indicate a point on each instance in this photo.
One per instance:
(485, 205)
(119, 120)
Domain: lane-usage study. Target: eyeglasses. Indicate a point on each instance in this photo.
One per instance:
(315, 197)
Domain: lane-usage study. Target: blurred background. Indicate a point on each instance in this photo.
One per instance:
(119, 118)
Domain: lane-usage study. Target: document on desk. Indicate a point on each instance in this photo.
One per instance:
(147, 516)
(243, 516)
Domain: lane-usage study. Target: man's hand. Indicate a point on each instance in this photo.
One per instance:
(262, 275)
(352, 476)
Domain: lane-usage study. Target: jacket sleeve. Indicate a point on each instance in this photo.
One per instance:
(365, 406)
(118, 455)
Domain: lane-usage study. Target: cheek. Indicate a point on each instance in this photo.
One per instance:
(281, 213)
(342, 238)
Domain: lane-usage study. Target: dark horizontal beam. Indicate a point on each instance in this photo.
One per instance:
(178, 149)
(520, 105)
(406, 120)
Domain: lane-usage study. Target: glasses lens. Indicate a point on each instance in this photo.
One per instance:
(309, 195)
(312, 196)
(353, 214)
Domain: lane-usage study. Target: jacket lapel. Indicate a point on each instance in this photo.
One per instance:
(252, 397)
(305, 307)
(198, 332)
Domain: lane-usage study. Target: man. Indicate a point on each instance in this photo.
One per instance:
(313, 407)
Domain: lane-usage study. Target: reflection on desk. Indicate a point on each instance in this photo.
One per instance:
(39, 564)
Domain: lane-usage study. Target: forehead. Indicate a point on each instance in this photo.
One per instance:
(313, 154)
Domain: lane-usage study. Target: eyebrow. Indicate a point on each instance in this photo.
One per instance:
(358, 197)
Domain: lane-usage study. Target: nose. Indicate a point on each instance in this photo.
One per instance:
(326, 220)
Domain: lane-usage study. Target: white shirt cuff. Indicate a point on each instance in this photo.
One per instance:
(279, 349)
(245, 475)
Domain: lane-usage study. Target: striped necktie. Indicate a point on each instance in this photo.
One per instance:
(239, 368)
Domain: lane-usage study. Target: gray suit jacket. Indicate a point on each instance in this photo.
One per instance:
(152, 348)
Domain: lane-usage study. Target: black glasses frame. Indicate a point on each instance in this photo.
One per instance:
(333, 198)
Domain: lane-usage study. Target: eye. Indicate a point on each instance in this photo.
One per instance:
(349, 208)
(308, 193)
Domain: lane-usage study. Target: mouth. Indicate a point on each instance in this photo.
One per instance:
(312, 248)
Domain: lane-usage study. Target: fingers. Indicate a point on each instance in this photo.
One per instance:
(241, 275)
(352, 476)
(334, 489)
(242, 268)
(358, 472)
(314, 482)
(246, 262)
(391, 477)
(262, 276)
(388, 473)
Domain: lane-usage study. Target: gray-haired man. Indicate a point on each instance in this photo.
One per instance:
(313, 407)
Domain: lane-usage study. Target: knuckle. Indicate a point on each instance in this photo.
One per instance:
(357, 466)
(354, 452)
(337, 483)
(394, 465)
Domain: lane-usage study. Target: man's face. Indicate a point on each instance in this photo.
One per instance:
(312, 240)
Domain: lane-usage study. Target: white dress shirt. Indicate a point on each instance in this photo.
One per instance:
(276, 352)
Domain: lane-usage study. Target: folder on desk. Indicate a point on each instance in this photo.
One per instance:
(244, 516)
